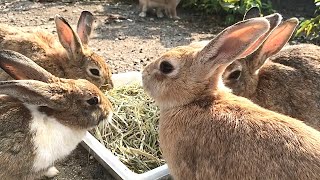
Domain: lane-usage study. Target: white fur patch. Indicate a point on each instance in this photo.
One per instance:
(52, 139)
(221, 86)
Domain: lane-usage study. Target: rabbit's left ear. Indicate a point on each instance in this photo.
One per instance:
(33, 92)
(68, 38)
(84, 27)
(19, 66)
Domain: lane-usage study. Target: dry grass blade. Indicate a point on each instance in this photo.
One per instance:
(133, 133)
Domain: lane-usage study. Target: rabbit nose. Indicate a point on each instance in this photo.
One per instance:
(109, 85)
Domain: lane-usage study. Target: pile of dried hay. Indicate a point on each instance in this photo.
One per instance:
(133, 133)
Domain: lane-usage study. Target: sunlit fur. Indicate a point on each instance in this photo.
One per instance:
(287, 82)
(208, 133)
(168, 5)
(45, 49)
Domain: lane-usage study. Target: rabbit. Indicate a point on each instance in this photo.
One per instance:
(43, 117)
(71, 57)
(168, 5)
(281, 78)
(206, 132)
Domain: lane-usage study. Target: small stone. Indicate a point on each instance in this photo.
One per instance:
(51, 18)
(121, 37)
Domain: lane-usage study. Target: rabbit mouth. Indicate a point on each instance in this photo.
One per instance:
(107, 118)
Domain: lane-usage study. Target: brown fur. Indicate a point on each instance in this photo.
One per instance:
(168, 5)
(47, 52)
(287, 82)
(64, 99)
(208, 133)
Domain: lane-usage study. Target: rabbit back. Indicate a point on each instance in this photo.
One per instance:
(16, 148)
(289, 84)
(224, 141)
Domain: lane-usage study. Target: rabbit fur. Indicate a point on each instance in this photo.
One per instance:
(168, 5)
(206, 132)
(70, 58)
(42, 117)
(285, 80)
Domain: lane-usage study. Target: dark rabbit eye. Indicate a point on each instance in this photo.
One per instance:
(166, 67)
(93, 101)
(95, 72)
(234, 75)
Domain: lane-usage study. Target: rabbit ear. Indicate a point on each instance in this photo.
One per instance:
(32, 92)
(274, 20)
(252, 13)
(274, 42)
(19, 66)
(68, 38)
(84, 27)
(232, 42)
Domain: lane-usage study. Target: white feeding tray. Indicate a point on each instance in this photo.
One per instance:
(107, 158)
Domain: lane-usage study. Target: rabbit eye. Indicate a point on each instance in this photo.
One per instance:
(166, 67)
(95, 72)
(93, 101)
(235, 75)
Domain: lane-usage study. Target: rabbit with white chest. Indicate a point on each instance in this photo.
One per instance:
(42, 117)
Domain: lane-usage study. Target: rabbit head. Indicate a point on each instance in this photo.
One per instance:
(43, 117)
(242, 76)
(75, 103)
(206, 132)
(185, 73)
(82, 61)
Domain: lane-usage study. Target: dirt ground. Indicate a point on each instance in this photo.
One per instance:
(127, 42)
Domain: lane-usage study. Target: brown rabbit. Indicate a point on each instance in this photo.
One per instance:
(207, 132)
(168, 5)
(42, 120)
(71, 58)
(288, 82)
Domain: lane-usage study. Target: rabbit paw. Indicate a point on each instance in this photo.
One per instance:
(176, 17)
(51, 172)
(143, 14)
(159, 14)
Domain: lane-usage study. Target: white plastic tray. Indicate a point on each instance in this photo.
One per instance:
(106, 157)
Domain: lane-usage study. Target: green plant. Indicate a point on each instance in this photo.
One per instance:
(311, 27)
(231, 9)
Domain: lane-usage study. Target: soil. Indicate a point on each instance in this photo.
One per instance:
(127, 42)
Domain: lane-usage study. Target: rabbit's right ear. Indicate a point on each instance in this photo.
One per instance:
(68, 38)
(84, 27)
(274, 21)
(274, 43)
(33, 92)
(252, 13)
(231, 43)
(19, 66)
